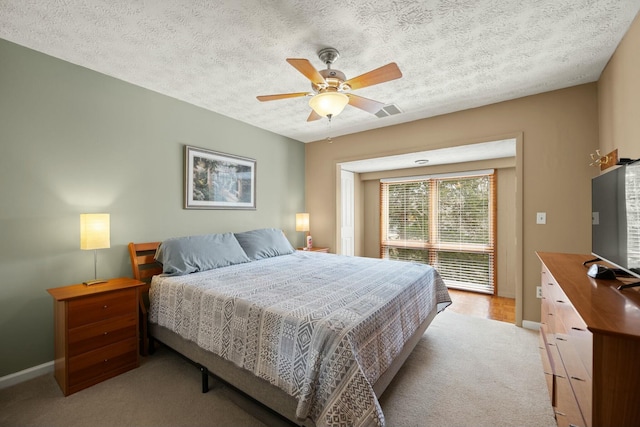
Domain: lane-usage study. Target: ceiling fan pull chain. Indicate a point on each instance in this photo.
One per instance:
(329, 139)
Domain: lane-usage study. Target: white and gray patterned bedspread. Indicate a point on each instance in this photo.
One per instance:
(321, 327)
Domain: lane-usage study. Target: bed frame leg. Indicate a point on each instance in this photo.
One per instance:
(205, 378)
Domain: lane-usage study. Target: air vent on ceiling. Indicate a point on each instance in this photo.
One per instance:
(388, 110)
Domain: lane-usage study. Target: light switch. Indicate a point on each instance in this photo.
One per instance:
(541, 218)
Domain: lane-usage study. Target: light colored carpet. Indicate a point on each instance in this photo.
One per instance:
(468, 371)
(465, 371)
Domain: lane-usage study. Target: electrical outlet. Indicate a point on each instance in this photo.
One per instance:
(538, 291)
(541, 218)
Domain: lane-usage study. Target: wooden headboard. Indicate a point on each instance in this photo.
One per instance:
(143, 264)
(144, 267)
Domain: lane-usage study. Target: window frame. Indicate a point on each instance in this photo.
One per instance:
(431, 244)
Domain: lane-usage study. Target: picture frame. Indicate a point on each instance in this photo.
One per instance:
(215, 180)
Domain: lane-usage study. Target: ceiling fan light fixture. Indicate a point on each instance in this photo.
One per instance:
(329, 103)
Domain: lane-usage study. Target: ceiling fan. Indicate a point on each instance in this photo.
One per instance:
(331, 89)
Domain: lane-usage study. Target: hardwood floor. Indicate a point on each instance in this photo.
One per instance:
(485, 306)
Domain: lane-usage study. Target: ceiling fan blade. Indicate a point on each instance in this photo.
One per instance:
(314, 116)
(373, 77)
(263, 98)
(366, 104)
(308, 70)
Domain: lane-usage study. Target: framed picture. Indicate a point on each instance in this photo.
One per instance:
(216, 180)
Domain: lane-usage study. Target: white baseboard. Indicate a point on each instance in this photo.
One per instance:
(528, 324)
(25, 375)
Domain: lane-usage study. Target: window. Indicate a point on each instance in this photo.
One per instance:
(446, 221)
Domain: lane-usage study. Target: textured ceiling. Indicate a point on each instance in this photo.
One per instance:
(219, 55)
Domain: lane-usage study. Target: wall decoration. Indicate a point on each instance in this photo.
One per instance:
(216, 180)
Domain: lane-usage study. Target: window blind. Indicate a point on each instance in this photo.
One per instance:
(448, 222)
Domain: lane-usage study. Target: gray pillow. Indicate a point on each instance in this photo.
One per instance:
(190, 254)
(264, 243)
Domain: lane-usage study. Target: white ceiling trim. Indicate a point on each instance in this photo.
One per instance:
(460, 154)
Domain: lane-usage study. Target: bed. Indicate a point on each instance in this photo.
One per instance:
(316, 337)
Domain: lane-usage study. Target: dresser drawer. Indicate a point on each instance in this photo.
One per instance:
(97, 364)
(567, 410)
(582, 342)
(95, 308)
(580, 380)
(583, 390)
(98, 334)
(546, 363)
(575, 331)
(544, 352)
(550, 288)
(554, 359)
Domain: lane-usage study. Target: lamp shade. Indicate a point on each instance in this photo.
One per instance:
(329, 103)
(302, 222)
(94, 231)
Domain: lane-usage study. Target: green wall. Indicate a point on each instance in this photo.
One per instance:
(75, 141)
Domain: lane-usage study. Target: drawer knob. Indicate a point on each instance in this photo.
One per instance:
(106, 360)
(105, 306)
(106, 333)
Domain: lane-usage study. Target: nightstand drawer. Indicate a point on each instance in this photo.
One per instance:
(97, 364)
(99, 334)
(96, 331)
(95, 308)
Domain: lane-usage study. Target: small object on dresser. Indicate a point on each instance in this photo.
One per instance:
(599, 271)
(309, 243)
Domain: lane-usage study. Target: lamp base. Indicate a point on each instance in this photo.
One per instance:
(94, 282)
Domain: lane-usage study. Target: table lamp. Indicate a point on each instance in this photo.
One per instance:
(94, 235)
(302, 224)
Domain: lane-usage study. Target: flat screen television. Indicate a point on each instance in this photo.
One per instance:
(615, 201)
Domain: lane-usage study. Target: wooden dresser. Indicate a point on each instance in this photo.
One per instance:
(590, 344)
(96, 332)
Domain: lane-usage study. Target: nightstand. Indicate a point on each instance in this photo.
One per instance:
(315, 249)
(96, 332)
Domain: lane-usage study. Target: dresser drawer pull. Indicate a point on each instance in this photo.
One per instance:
(105, 306)
(561, 339)
(577, 379)
(560, 301)
(577, 329)
(106, 360)
(106, 333)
